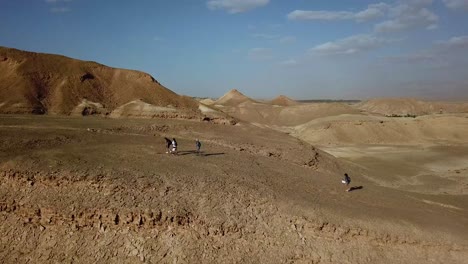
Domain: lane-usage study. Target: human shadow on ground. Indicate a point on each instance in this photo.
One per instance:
(189, 152)
(186, 152)
(212, 154)
(354, 188)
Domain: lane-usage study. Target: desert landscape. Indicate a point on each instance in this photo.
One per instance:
(85, 177)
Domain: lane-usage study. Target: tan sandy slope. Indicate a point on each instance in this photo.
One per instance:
(207, 101)
(338, 123)
(411, 106)
(44, 83)
(276, 115)
(360, 129)
(427, 153)
(233, 98)
(96, 190)
(283, 101)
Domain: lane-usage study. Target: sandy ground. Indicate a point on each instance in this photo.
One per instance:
(87, 190)
(422, 169)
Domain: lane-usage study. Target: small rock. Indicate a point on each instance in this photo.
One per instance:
(134, 252)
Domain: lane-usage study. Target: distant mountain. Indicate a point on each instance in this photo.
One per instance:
(283, 101)
(233, 98)
(52, 84)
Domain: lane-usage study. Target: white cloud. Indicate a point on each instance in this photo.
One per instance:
(372, 12)
(442, 53)
(350, 45)
(236, 6)
(260, 54)
(432, 27)
(279, 38)
(290, 62)
(404, 15)
(456, 4)
(319, 15)
(60, 9)
(460, 42)
(287, 40)
(409, 15)
(276, 26)
(418, 2)
(265, 36)
(412, 58)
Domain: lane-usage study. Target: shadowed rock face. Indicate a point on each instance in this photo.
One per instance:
(44, 83)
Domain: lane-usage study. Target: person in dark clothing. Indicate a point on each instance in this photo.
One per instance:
(168, 145)
(346, 180)
(198, 145)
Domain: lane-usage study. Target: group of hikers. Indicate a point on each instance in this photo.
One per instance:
(171, 146)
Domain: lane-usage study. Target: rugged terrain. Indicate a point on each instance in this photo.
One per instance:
(103, 190)
(411, 107)
(52, 84)
(89, 180)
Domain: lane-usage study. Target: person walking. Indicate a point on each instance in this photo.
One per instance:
(346, 181)
(168, 145)
(174, 146)
(198, 145)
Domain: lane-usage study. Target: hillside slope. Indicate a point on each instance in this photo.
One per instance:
(99, 190)
(233, 98)
(410, 106)
(360, 129)
(283, 100)
(53, 84)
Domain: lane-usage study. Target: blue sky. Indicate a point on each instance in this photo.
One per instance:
(301, 48)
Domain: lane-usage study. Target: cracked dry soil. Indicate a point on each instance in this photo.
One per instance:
(95, 190)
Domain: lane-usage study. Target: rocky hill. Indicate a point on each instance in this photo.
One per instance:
(233, 98)
(52, 84)
(283, 100)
